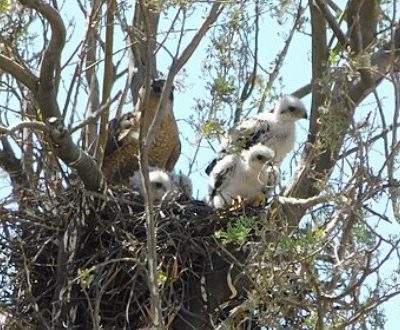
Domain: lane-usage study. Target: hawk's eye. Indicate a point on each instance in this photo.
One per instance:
(292, 108)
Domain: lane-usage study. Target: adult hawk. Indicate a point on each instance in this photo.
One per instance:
(121, 158)
(275, 129)
(248, 175)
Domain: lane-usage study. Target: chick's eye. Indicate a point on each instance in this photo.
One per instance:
(260, 157)
(158, 185)
(291, 109)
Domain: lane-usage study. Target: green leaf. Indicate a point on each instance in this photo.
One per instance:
(161, 277)
(237, 231)
(85, 277)
(4, 6)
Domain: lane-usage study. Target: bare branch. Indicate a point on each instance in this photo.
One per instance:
(143, 42)
(151, 246)
(46, 93)
(19, 72)
(91, 131)
(319, 57)
(362, 20)
(50, 65)
(314, 169)
(74, 157)
(373, 139)
(303, 91)
(180, 62)
(95, 115)
(107, 82)
(249, 85)
(280, 58)
(308, 202)
(148, 139)
(332, 22)
(37, 125)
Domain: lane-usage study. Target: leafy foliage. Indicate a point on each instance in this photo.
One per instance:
(237, 231)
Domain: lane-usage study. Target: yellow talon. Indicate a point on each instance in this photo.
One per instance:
(258, 200)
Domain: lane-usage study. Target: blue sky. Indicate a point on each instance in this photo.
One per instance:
(295, 73)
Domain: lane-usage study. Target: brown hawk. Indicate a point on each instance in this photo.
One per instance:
(121, 157)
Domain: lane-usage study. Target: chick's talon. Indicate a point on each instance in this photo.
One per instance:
(259, 199)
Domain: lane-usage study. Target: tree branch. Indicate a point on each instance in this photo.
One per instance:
(332, 22)
(146, 140)
(308, 202)
(303, 91)
(179, 63)
(250, 82)
(373, 139)
(94, 114)
(280, 58)
(316, 168)
(143, 41)
(319, 58)
(75, 157)
(46, 96)
(12, 165)
(362, 20)
(51, 59)
(19, 72)
(38, 125)
(151, 245)
(107, 83)
(92, 34)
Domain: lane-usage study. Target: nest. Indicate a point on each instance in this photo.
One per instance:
(79, 261)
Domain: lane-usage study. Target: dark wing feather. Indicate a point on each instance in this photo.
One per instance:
(221, 177)
(247, 134)
(112, 138)
(169, 166)
(116, 129)
(211, 166)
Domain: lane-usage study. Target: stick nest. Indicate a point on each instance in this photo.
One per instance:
(77, 260)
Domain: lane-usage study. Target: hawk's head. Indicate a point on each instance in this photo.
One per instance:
(259, 155)
(155, 92)
(290, 108)
(157, 86)
(160, 184)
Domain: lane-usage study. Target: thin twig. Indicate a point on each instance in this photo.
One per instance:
(37, 125)
(95, 115)
(332, 22)
(249, 85)
(107, 82)
(280, 59)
